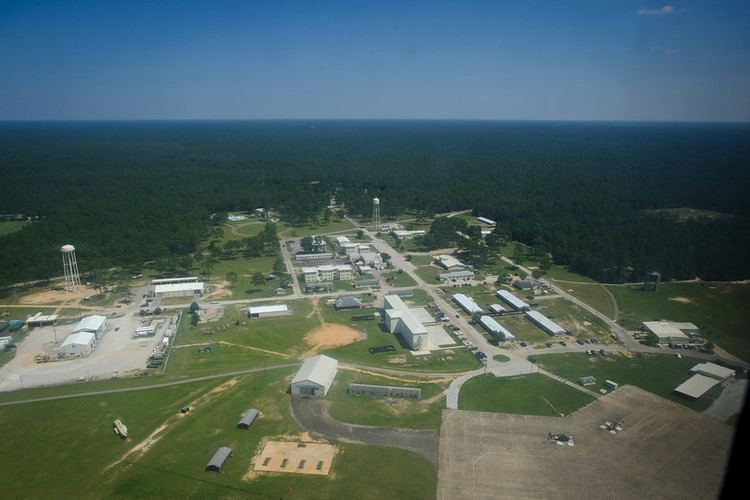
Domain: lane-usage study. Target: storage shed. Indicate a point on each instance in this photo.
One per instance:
(94, 324)
(217, 461)
(267, 311)
(315, 376)
(248, 418)
(78, 344)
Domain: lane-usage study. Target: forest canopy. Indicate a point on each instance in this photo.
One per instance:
(590, 194)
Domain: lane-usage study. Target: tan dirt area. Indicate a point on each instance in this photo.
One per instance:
(50, 296)
(297, 457)
(682, 300)
(331, 335)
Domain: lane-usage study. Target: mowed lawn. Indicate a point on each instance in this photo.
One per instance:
(244, 288)
(656, 373)
(592, 294)
(722, 311)
(12, 226)
(386, 411)
(54, 451)
(533, 394)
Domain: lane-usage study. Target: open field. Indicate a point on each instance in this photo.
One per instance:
(243, 288)
(398, 280)
(655, 373)
(722, 311)
(523, 329)
(663, 451)
(532, 394)
(421, 260)
(334, 226)
(573, 318)
(429, 274)
(382, 411)
(11, 226)
(170, 463)
(594, 295)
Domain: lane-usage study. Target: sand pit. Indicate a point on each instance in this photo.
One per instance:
(49, 296)
(328, 336)
(220, 290)
(682, 300)
(296, 457)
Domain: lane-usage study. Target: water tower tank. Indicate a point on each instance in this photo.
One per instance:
(68, 249)
(376, 201)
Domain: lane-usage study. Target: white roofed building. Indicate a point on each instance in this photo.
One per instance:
(696, 386)
(267, 311)
(713, 370)
(178, 289)
(512, 300)
(487, 221)
(40, 319)
(450, 263)
(78, 344)
(401, 320)
(495, 328)
(315, 376)
(467, 303)
(545, 323)
(666, 332)
(94, 324)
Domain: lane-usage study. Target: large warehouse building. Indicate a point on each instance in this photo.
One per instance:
(94, 324)
(545, 323)
(267, 311)
(185, 289)
(669, 332)
(402, 320)
(467, 303)
(315, 376)
(495, 328)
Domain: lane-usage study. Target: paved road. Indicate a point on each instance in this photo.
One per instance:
(290, 268)
(311, 415)
(729, 402)
(147, 387)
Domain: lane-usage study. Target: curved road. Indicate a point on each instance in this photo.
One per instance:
(310, 414)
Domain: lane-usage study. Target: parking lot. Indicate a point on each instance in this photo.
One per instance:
(664, 450)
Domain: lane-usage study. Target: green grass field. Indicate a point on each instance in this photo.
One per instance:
(722, 311)
(594, 295)
(579, 322)
(532, 394)
(659, 374)
(523, 329)
(398, 280)
(11, 226)
(243, 288)
(80, 437)
(381, 411)
(429, 274)
(421, 260)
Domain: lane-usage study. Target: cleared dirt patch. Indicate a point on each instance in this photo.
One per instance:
(297, 457)
(328, 336)
(56, 296)
(220, 289)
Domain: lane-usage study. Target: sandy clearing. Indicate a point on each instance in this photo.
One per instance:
(48, 296)
(398, 379)
(221, 289)
(331, 335)
(682, 300)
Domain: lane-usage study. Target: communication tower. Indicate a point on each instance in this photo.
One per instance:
(70, 268)
(376, 214)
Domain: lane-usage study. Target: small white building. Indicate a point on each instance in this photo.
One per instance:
(94, 324)
(267, 311)
(341, 240)
(487, 221)
(497, 309)
(78, 344)
(404, 234)
(326, 274)
(315, 376)
(713, 370)
(456, 276)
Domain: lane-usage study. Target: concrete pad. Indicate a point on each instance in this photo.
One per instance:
(437, 336)
(295, 457)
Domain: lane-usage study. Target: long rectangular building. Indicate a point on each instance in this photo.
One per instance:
(178, 289)
(467, 303)
(696, 386)
(169, 281)
(495, 328)
(512, 300)
(545, 323)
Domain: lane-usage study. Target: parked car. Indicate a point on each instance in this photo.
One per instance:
(523, 344)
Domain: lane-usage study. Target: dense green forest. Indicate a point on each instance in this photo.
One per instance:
(129, 192)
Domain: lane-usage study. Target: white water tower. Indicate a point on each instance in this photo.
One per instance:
(376, 213)
(70, 268)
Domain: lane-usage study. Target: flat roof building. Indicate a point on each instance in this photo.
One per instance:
(666, 332)
(456, 275)
(315, 376)
(401, 320)
(170, 281)
(496, 309)
(94, 324)
(696, 386)
(713, 370)
(178, 289)
(467, 303)
(267, 311)
(545, 323)
(512, 300)
(40, 319)
(487, 221)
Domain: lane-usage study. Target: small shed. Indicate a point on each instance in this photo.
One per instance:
(588, 380)
(608, 384)
(217, 461)
(247, 419)
(348, 302)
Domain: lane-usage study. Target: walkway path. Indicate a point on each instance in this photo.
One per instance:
(311, 415)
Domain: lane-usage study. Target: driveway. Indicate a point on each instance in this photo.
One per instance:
(310, 413)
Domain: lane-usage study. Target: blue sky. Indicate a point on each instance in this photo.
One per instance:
(527, 60)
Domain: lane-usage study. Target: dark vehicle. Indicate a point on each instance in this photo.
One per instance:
(382, 348)
(548, 344)
(579, 342)
(523, 344)
(563, 343)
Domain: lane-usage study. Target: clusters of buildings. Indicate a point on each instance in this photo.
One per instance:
(84, 336)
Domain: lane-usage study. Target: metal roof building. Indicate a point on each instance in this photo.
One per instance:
(248, 418)
(402, 320)
(512, 300)
(666, 332)
(713, 370)
(545, 323)
(450, 263)
(456, 275)
(497, 308)
(178, 289)
(94, 324)
(78, 344)
(168, 281)
(315, 376)
(467, 303)
(267, 311)
(696, 386)
(348, 302)
(40, 319)
(495, 328)
(217, 461)
(487, 221)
